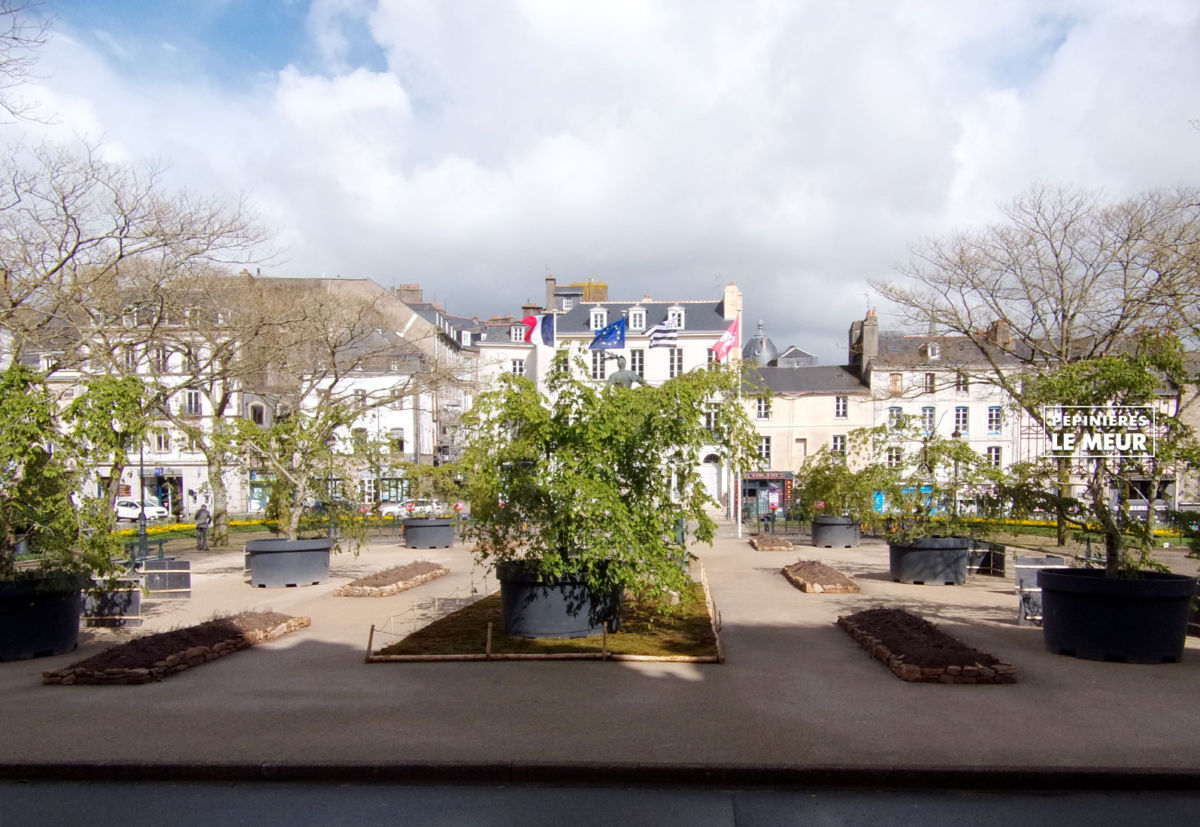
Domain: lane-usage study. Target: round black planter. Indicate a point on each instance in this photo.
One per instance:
(563, 608)
(1128, 620)
(930, 560)
(835, 532)
(39, 616)
(276, 564)
(428, 532)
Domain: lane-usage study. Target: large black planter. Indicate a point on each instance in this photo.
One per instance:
(563, 608)
(1129, 620)
(39, 616)
(120, 606)
(277, 563)
(930, 560)
(428, 532)
(835, 532)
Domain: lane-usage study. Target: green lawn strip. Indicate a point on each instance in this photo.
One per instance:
(683, 631)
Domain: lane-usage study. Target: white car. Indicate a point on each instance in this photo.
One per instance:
(408, 508)
(129, 509)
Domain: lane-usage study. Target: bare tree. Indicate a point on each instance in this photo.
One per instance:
(1065, 279)
(21, 34)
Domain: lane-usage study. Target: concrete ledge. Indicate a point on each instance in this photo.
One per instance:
(632, 774)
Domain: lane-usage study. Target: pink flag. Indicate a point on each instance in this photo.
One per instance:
(726, 343)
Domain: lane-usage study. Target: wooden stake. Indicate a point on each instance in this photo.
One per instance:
(488, 651)
(370, 642)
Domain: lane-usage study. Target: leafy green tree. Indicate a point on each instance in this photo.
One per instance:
(597, 480)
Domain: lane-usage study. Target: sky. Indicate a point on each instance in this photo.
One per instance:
(797, 149)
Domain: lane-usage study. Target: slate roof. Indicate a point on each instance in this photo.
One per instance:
(810, 379)
(705, 316)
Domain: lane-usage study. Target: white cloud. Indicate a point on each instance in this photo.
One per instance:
(666, 147)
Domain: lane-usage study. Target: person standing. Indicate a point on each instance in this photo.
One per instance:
(203, 520)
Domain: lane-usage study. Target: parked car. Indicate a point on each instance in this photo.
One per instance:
(129, 509)
(333, 505)
(410, 508)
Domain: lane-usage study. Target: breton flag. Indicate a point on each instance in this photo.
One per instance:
(611, 337)
(544, 324)
(662, 334)
(726, 343)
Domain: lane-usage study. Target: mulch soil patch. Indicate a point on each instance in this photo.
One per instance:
(153, 657)
(392, 581)
(815, 576)
(916, 650)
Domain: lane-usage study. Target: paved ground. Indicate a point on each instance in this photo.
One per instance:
(796, 702)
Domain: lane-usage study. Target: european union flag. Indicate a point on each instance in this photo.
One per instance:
(610, 337)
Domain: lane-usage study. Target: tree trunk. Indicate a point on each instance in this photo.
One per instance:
(111, 492)
(220, 504)
(1060, 509)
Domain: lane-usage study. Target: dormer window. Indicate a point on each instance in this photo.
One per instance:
(599, 318)
(675, 317)
(516, 333)
(567, 304)
(637, 318)
(933, 351)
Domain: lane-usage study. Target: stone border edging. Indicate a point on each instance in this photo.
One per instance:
(195, 656)
(977, 674)
(770, 543)
(350, 590)
(820, 588)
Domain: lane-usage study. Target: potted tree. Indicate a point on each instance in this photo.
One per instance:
(577, 494)
(50, 548)
(300, 449)
(1134, 609)
(437, 485)
(838, 495)
(920, 477)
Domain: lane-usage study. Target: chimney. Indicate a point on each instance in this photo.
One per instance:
(864, 343)
(409, 293)
(999, 333)
(530, 309)
(550, 285)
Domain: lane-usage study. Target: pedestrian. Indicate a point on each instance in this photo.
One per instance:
(203, 519)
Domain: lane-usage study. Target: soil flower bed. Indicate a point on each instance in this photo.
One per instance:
(682, 632)
(392, 581)
(154, 657)
(916, 650)
(816, 577)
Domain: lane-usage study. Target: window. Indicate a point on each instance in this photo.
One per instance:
(895, 383)
(961, 420)
(637, 318)
(961, 383)
(675, 362)
(934, 350)
(637, 362)
(995, 419)
(131, 359)
(360, 398)
(841, 407)
(839, 444)
(763, 407)
(675, 317)
(927, 419)
(258, 414)
(930, 383)
(191, 359)
(712, 357)
(162, 441)
(191, 403)
(359, 437)
(567, 304)
(710, 416)
(599, 318)
(516, 333)
(894, 416)
(518, 367)
(764, 449)
(993, 456)
(598, 363)
(894, 457)
(396, 436)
